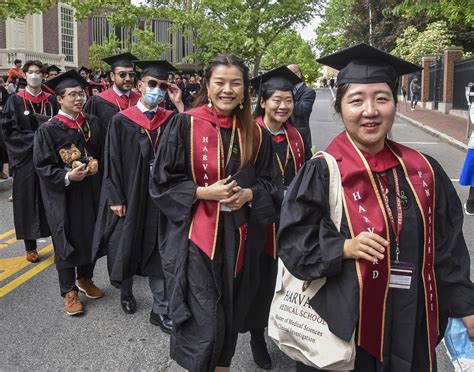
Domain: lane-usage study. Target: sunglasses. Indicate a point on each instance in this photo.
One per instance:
(154, 84)
(124, 74)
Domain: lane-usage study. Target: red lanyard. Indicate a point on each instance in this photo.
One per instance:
(287, 158)
(396, 228)
(42, 110)
(87, 135)
(153, 144)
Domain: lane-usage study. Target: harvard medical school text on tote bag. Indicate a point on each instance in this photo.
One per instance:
(293, 324)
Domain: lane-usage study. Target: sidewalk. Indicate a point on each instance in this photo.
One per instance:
(448, 128)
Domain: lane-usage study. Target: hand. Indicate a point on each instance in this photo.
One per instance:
(239, 198)
(469, 323)
(217, 191)
(119, 210)
(79, 173)
(175, 95)
(366, 245)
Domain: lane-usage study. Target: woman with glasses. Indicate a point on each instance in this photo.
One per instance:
(127, 227)
(212, 180)
(70, 196)
(120, 96)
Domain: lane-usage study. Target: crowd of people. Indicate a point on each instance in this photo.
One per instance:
(178, 178)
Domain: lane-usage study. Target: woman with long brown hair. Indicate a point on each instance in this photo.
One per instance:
(212, 180)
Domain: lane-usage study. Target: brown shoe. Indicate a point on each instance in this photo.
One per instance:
(3, 176)
(73, 303)
(88, 287)
(32, 256)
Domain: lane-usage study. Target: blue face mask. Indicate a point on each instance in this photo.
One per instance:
(154, 96)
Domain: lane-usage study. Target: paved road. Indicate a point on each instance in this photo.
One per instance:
(36, 333)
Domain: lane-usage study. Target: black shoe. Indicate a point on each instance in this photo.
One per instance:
(129, 304)
(260, 354)
(162, 321)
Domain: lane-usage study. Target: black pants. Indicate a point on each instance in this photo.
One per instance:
(30, 245)
(67, 277)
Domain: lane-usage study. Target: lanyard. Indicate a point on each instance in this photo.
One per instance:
(153, 144)
(221, 145)
(396, 228)
(86, 135)
(118, 104)
(287, 157)
(26, 112)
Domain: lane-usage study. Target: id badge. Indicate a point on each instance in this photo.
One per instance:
(401, 274)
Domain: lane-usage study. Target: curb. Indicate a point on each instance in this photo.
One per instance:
(6, 184)
(442, 136)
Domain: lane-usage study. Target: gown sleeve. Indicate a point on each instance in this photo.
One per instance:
(46, 162)
(19, 140)
(310, 245)
(452, 261)
(267, 196)
(113, 176)
(171, 187)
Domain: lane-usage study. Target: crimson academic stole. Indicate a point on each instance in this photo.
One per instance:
(207, 165)
(121, 102)
(365, 212)
(296, 148)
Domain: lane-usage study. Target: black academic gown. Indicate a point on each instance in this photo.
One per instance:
(263, 274)
(130, 242)
(205, 298)
(71, 210)
(19, 131)
(311, 247)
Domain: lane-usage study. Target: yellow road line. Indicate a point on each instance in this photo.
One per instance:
(12, 265)
(15, 283)
(7, 243)
(6, 234)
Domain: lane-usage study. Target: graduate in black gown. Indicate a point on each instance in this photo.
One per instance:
(24, 112)
(208, 223)
(274, 108)
(71, 196)
(120, 96)
(399, 266)
(127, 227)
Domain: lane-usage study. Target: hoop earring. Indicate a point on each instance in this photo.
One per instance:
(210, 102)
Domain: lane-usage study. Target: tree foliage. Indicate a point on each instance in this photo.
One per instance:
(146, 47)
(99, 51)
(432, 41)
(291, 48)
(454, 11)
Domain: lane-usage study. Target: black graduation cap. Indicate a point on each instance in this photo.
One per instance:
(70, 79)
(120, 60)
(364, 64)
(157, 69)
(84, 68)
(280, 78)
(53, 68)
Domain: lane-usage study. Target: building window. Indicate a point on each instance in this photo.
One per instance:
(67, 32)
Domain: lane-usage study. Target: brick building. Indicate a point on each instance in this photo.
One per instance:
(54, 37)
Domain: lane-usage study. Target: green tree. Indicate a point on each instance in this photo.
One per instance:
(99, 51)
(146, 46)
(243, 27)
(454, 11)
(331, 32)
(291, 48)
(433, 40)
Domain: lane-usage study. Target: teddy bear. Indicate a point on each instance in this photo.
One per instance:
(72, 157)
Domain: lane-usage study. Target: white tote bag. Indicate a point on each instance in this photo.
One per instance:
(293, 324)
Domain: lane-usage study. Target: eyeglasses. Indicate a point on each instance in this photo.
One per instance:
(75, 95)
(154, 84)
(123, 74)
